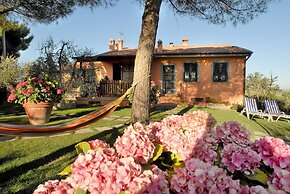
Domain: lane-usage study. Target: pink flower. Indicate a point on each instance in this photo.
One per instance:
(134, 144)
(274, 152)
(244, 159)
(27, 92)
(179, 134)
(150, 181)
(12, 96)
(21, 85)
(258, 190)
(55, 186)
(230, 132)
(59, 91)
(98, 144)
(280, 181)
(200, 177)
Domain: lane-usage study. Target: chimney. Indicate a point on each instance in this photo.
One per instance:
(159, 45)
(185, 41)
(112, 45)
(171, 44)
(120, 44)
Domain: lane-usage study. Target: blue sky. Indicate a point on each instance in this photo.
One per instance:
(267, 36)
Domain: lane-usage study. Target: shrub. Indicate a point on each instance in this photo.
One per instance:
(180, 154)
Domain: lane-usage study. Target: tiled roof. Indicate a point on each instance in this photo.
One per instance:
(179, 51)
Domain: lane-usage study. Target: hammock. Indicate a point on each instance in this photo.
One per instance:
(42, 130)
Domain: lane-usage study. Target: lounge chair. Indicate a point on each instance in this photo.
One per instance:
(273, 109)
(251, 108)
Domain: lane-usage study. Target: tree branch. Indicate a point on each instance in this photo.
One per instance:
(7, 10)
(176, 8)
(229, 6)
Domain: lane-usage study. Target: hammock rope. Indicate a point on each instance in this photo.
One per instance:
(43, 130)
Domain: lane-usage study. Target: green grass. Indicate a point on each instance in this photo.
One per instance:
(27, 162)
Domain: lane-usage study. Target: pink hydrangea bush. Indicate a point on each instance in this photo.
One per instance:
(280, 181)
(180, 134)
(244, 159)
(95, 144)
(55, 187)
(274, 152)
(229, 132)
(181, 154)
(136, 144)
(200, 177)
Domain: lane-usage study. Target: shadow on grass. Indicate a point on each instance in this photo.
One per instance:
(108, 136)
(11, 156)
(156, 113)
(9, 109)
(185, 110)
(58, 117)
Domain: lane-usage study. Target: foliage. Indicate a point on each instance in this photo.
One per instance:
(198, 157)
(211, 100)
(10, 71)
(46, 11)
(36, 90)
(260, 86)
(56, 58)
(17, 39)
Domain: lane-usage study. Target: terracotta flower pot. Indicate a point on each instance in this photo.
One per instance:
(38, 113)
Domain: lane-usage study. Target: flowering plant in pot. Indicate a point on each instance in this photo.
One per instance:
(180, 154)
(35, 92)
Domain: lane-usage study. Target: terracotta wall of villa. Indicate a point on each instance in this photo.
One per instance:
(231, 91)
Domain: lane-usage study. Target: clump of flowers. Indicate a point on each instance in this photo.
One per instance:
(201, 177)
(95, 144)
(235, 157)
(274, 152)
(135, 144)
(231, 132)
(280, 181)
(36, 90)
(180, 154)
(53, 186)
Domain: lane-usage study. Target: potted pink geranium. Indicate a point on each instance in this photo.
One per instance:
(37, 95)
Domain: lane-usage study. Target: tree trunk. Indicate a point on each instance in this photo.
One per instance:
(143, 61)
(4, 52)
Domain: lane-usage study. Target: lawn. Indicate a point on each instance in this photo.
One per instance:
(27, 162)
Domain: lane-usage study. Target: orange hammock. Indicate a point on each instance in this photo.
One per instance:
(40, 130)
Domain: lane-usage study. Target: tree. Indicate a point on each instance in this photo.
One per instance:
(261, 87)
(56, 56)
(10, 72)
(45, 11)
(17, 39)
(5, 24)
(216, 11)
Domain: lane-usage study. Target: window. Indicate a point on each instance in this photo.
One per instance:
(190, 72)
(168, 79)
(220, 72)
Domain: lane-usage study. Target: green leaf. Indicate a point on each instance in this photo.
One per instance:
(175, 157)
(122, 192)
(66, 171)
(158, 151)
(82, 147)
(219, 157)
(178, 164)
(258, 176)
(80, 191)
